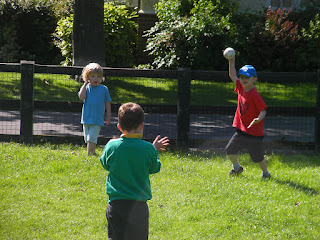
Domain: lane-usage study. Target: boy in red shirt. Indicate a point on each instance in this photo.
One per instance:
(248, 119)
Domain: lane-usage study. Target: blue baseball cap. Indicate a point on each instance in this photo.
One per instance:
(248, 70)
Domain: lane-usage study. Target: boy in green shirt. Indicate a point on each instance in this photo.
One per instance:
(130, 161)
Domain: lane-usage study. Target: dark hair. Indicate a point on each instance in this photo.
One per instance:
(130, 116)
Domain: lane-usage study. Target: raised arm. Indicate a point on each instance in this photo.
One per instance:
(83, 92)
(232, 70)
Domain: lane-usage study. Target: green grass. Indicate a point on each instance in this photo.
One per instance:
(160, 91)
(56, 192)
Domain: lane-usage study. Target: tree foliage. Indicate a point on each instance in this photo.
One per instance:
(25, 31)
(272, 41)
(189, 33)
(120, 33)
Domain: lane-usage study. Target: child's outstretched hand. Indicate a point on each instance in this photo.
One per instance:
(160, 144)
(254, 121)
(258, 119)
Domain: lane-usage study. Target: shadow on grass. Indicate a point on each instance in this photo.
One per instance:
(10, 88)
(297, 186)
(124, 90)
(284, 95)
(48, 88)
(300, 160)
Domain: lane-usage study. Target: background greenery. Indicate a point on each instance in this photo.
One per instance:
(120, 32)
(57, 192)
(25, 31)
(192, 33)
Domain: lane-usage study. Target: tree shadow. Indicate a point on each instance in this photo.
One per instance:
(126, 90)
(300, 160)
(297, 186)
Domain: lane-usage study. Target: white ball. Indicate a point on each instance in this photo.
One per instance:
(229, 53)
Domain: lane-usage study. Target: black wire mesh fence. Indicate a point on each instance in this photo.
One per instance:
(192, 107)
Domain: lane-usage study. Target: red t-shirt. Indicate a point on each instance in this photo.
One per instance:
(250, 104)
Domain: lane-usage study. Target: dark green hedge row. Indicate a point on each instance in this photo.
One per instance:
(25, 31)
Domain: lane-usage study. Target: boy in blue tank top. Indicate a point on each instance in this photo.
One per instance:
(130, 160)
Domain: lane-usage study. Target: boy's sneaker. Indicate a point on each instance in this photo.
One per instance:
(234, 172)
(266, 175)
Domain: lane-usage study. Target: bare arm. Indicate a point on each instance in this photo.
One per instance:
(108, 110)
(83, 92)
(258, 119)
(232, 70)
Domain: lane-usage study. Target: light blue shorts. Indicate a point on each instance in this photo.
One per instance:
(91, 133)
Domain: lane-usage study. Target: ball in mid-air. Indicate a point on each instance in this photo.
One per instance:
(229, 53)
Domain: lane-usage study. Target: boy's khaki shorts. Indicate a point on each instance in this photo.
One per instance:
(91, 133)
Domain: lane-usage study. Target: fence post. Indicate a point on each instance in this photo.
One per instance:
(317, 123)
(183, 111)
(26, 102)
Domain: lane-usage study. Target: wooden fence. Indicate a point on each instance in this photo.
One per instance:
(182, 109)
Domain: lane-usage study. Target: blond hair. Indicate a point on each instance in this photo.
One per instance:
(90, 69)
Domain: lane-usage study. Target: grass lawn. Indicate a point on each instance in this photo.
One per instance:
(57, 192)
(160, 91)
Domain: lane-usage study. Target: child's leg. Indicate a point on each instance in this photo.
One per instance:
(264, 168)
(263, 165)
(232, 148)
(235, 163)
(92, 138)
(91, 148)
(128, 220)
(256, 151)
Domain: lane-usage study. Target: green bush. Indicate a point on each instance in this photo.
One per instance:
(309, 53)
(120, 36)
(63, 39)
(25, 31)
(190, 33)
(273, 40)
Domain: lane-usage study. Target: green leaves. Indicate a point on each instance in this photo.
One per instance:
(63, 38)
(189, 33)
(120, 36)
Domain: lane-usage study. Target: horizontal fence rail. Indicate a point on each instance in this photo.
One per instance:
(187, 124)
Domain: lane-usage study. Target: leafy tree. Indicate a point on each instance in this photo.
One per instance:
(120, 36)
(190, 33)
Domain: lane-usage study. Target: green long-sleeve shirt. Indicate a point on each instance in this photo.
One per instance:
(129, 161)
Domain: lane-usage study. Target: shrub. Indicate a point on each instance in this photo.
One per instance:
(120, 36)
(25, 31)
(63, 39)
(278, 40)
(272, 42)
(309, 53)
(190, 33)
